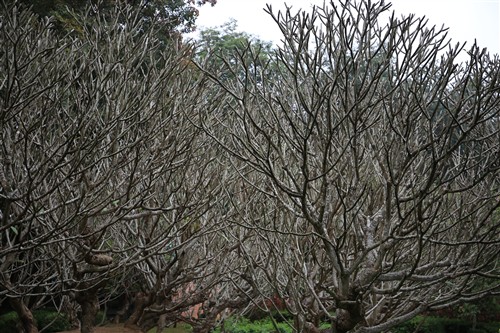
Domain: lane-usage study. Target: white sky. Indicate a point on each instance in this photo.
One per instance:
(467, 19)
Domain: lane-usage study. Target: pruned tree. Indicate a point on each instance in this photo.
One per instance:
(193, 276)
(378, 152)
(103, 174)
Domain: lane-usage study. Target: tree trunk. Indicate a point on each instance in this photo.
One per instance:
(311, 327)
(139, 305)
(347, 320)
(70, 309)
(123, 310)
(162, 322)
(89, 303)
(25, 316)
(204, 326)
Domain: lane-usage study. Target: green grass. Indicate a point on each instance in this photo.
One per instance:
(243, 325)
(176, 330)
(179, 329)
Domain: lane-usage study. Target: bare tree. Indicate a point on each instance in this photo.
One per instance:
(378, 153)
(193, 276)
(103, 175)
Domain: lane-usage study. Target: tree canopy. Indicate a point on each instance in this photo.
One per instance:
(366, 147)
(173, 16)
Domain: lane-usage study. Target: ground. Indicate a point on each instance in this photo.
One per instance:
(118, 328)
(109, 329)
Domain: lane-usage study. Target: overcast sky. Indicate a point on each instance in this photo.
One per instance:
(467, 19)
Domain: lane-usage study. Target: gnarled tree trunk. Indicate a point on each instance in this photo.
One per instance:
(25, 316)
(140, 302)
(89, 303)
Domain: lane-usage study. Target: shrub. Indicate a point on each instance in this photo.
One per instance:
(491, 327)
(282, 316)
(243, 325)
(52, 320)
(100, 318)
(8, 322)
(325, 326)
(444, 325)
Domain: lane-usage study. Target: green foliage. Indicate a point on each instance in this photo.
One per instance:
(100, 318)
(222, 40)
(282, 316)
(489, 308)
(50, 321)
(8, 322)
(468, 310)
(492, 327)
(282, 324)
(243, 325)
(324, 326)
(176, 16)
(225, 44)
(54, 321)
(422, 324)
(181, 328)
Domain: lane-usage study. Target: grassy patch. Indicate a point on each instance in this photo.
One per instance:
(53, 321)
(281, 324)
(430, 324)
(243, 325)
(176, 330)
(179, 329)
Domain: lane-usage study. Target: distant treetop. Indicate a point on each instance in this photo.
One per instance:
(177, 16)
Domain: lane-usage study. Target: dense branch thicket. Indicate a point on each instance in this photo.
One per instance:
(106, 186)
(378, 154)
(352, 175)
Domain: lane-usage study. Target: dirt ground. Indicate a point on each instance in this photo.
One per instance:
(118, 328)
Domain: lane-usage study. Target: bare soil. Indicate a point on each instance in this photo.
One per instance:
(114, 328)
(119, 328)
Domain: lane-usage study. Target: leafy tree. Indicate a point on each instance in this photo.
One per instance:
(378, 156)
(227, 44)
(174, 16)
(225, 40)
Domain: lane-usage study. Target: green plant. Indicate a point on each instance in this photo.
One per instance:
(100, 318)
(265, 325)
(8, 322)
(244, 325)
(181, 328)
(51, 321)
(325, 326)
(282, 316)
(423, 324)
